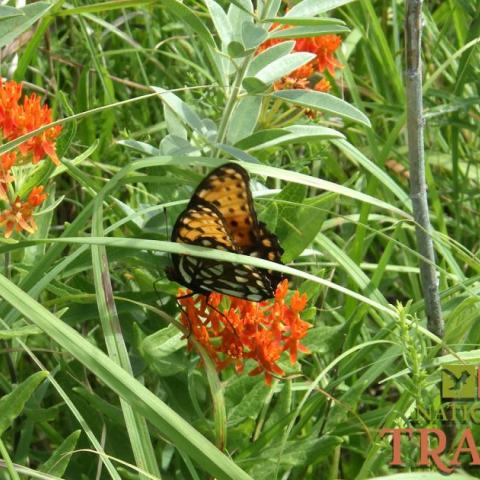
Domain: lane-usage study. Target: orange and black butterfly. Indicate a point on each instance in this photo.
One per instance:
(221, 215)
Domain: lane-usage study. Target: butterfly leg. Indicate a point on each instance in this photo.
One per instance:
(227, 321)
(185, 313)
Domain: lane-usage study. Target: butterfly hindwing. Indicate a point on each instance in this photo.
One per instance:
(236, 280)
(221, 215)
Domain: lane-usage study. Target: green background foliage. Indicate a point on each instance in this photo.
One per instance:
(153, 94)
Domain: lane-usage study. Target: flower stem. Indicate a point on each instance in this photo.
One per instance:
(231, 102)
(418, 187)
(8, 462)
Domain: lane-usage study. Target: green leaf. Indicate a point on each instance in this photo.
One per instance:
(198, 25)
(59, 460)
(239, 13)
(306, 21)
(12, 27)
(142, 147)
(105, 6)
(253, 85)
(244, 118)
(145, 403)
(260, 137)
(284, 209)
(253, 35)
(174, 125)
(9, 12)
(309, 451)
(221, 22)
(323, 102)
(273, 7)
(268, 56)
(164, 342)
(291, 134)
(305, 32)
(245, 6)
(283, 66)
(237, 50)
(181, 109)
(12, 404)
(69, 130)
(192, 20)
(310, 8)
(237, 153)
(301, 223)
(250, 404)
(173, 145)
(19, 332)
(355, 155)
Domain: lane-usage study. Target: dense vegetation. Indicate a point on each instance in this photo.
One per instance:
(152, 95)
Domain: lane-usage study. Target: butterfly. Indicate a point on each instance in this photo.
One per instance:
(221, 215)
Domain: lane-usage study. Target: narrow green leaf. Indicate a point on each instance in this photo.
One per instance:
(8, 12)
(323, 102)
(147, 404)
(268, 56)
(282, 66)
(260, 137)
(293, 134)
(219, 255)
(306, 21)
(310, 8)
(19, 332)
(309, 31)
(12, 404)
(192, 20)
(221, 21)
(105, 7)
(60, 458)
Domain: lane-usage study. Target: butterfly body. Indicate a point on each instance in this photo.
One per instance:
(221, 215)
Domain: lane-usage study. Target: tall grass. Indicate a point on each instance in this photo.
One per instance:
(148, 106)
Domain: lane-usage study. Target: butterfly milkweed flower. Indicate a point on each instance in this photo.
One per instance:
(20, 214)
(258, 331)
(307, 76)
(19, 117)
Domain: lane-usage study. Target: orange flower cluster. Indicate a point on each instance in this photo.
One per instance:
(324, 48)
(18, 118)
(247, 330)
(20, 214)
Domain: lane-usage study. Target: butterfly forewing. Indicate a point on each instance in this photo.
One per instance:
(228, 189)
(221, 215)
(202, 224)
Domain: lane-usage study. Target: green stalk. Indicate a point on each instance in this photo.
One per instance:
(136, 425)
(232, 102)
(8, 462)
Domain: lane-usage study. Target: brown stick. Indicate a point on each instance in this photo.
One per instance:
(418, 187)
